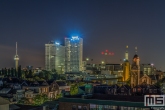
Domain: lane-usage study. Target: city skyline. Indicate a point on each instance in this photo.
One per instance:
(104, 25)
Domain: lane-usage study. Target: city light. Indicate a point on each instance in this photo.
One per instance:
(75, 38)
(57, 43)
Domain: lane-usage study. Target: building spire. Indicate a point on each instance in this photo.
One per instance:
(126, 53)
(135, 50)
(127, 47)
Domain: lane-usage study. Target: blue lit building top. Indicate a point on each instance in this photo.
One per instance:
(57, 43)
(75, 38)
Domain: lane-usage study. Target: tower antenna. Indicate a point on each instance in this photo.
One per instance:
(126, 47)
(16, 48)
(16, 58)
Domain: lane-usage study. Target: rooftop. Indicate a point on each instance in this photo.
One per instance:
(130, 101)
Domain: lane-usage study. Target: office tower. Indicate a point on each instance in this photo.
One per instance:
(74, 54)
(55, 57)
(16, 58)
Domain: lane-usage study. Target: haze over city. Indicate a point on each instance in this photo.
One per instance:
(110, 25)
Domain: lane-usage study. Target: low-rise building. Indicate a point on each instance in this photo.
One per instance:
(4, 104)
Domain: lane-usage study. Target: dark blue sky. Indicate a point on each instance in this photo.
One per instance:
(103, 24)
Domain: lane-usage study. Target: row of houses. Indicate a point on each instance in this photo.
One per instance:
(14, 89)
(139, 90)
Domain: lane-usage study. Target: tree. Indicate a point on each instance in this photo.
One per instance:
(74, 89)
(55, 75)
(3, 73)
(12, 72)
(158, 84)
(19, 72)
(30, 74)
(128, 82)
(59, 96)
(26, 74)
(23, 101)
(9, 72)
(41, 75)
(47, 75)
(23, 74)
(39, 99)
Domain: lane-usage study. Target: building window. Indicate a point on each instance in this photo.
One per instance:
(79, 107)
(150, 90)
(139, 89)
(122, 89)
(74, 107)
(155, 90)
(134, 89)
(84, 108)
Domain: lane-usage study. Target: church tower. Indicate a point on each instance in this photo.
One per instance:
(126, 67)
(135, 70)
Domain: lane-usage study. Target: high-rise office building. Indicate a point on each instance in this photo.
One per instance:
(55, 57)
(73, 54)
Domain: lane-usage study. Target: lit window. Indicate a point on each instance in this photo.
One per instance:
(79, 107)
(139, 89)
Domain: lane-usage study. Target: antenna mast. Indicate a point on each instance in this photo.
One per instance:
(135, 50)
(16, 48)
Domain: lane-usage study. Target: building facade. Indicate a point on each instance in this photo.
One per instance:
(135, 71)
(55, 57)
(74, 54)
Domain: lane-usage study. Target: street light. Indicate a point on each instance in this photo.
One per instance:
(102, 62)
(87, 59)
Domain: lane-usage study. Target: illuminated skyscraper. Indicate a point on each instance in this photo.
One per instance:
(16, 58)
(55, 57)
(74, 54)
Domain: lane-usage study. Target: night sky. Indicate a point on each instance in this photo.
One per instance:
(103, 24)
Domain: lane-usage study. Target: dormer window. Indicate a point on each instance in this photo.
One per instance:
(74, 107)
(155, 90)
(122, 89)
(134, 89)
(79, 107)
(139, 89)
(84, 107)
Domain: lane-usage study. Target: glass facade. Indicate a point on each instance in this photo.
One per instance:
(74, 52)
(55, 57)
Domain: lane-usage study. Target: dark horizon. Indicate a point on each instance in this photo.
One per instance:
(103, 25)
